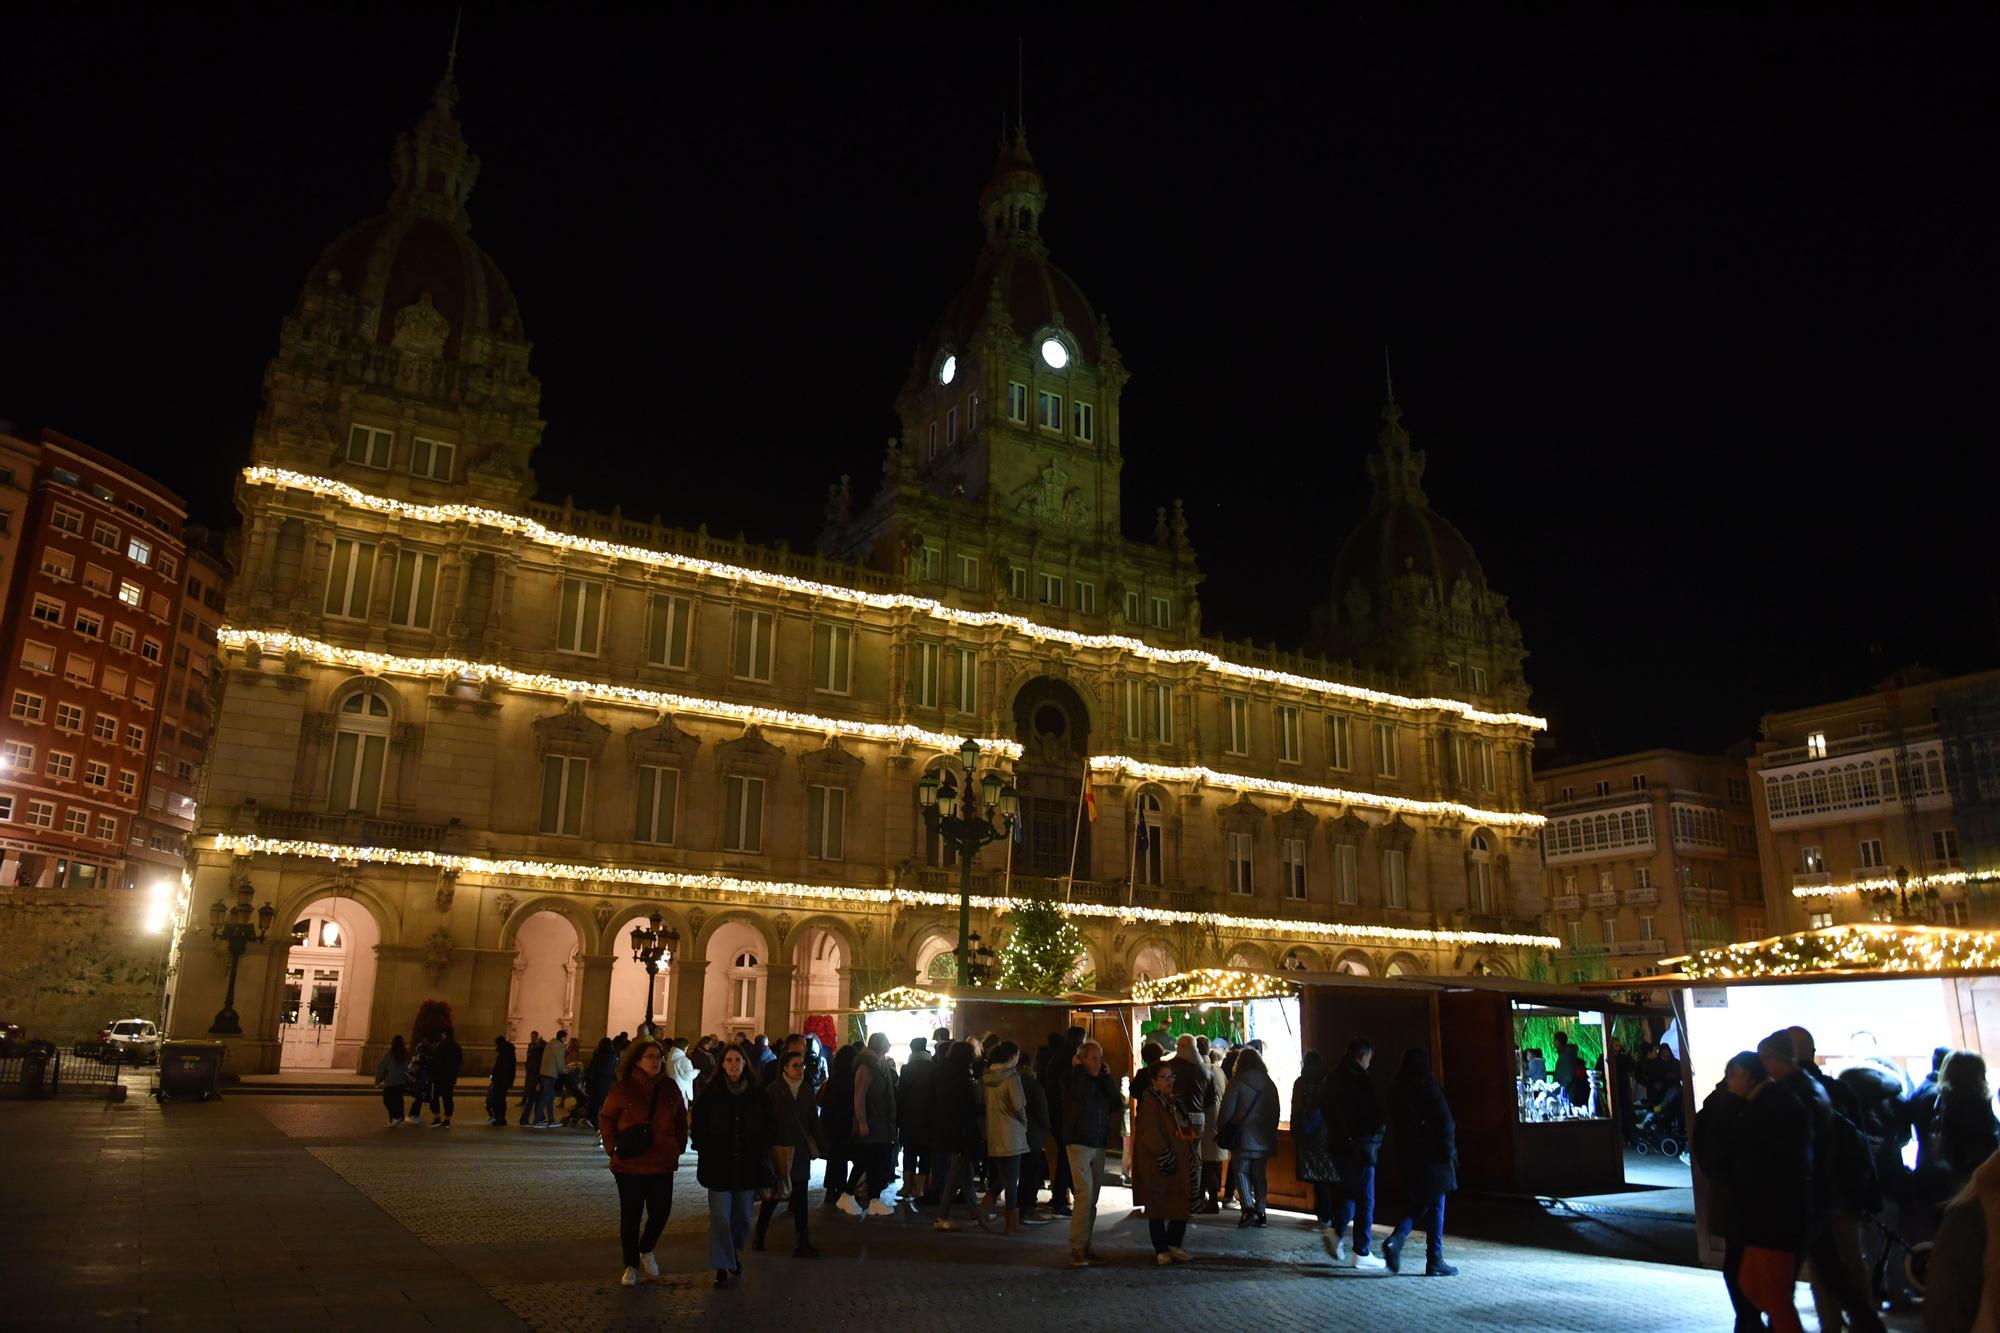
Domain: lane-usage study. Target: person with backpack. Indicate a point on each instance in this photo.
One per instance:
(1354, 1129)
(643, 1125)
(1314, 1165)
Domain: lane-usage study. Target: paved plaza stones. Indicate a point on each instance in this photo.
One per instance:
(283, 1212)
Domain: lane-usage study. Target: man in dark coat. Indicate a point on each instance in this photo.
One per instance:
(1354, 1129)
(1426, 1143)
(1833, 1281)
(446, 1060)
(1092, 1120)
(914, 1120)
(531, 1082)
(500, 1081)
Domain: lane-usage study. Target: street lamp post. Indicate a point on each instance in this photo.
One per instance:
(233, 927)
(652, 946)
(965, 824)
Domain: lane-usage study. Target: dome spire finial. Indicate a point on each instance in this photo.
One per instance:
(432, 168)
(1396, 468)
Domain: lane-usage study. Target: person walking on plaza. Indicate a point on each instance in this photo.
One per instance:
(1006, 1132)
(1090, 1111)
(1313, 1163)
(795, 1142)
(643, 1125)
(1035, 1161)
(680, 1069)
(552, 1067)
(392, 1075)
(1750, 1142)
(1214, 1161)
(733, 1124)
(500, 1080)
(837, 1121)
(447, 1058)
(420, 1078)
(955, 1101)
(1354, 1128)
(914, 1120)
(531, 1077)
(1249, 1116)
(599, 1078)
(873, 1138)
(1426, 1143)
(1166, 1170)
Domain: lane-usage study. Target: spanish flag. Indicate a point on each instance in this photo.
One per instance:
(1089, 796)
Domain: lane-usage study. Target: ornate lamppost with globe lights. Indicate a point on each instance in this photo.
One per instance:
(652, 947)
(232, 927)
(965, 823)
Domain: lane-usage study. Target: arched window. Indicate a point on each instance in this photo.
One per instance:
(1148, 836)
(1481, 874)
(746, 975)
(360, 751)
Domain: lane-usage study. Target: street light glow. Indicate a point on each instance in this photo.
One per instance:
(159, 902)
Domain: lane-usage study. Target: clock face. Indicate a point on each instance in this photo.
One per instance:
(1055, 353)
(948, 371)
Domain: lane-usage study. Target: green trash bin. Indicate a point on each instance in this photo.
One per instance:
(35, 1080)
(190, 1070)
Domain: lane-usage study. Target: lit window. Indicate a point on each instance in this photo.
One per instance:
(1816, 745)
(668, 627)
(431, 458)
(130, 593)
(139, 551)
(564, 778)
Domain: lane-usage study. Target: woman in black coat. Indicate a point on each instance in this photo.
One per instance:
(1315, 1163)
(795, 1125)
(836, 1122)
(956, 1102)
(1426, 1142)
(733, 1127)
(500, 1080)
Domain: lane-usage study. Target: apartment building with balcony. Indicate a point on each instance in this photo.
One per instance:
(1646, 856)
(1859, 803)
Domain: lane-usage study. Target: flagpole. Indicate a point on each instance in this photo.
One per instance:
(1076, 837)
(1132, 875)
(1007, 877)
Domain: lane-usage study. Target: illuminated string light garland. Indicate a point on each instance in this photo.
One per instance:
(1882, 884)
(1212, 983)
(528, 528)
(1111, 763)
(907, 997)
(356, 659)
(246, 844)
(1867, 948)
(280, 643)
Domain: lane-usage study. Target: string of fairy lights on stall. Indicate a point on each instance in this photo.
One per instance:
(530, 529)
(1918, 950)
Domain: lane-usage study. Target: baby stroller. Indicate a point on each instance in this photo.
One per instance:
(1657, 1132)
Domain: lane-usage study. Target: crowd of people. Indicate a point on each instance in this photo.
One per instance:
(977, 1129)
(1806, 1166)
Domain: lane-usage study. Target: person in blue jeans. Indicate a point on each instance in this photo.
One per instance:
(1426, 1141)
(733, 1124)
(1354, 1129)
(551, 1072)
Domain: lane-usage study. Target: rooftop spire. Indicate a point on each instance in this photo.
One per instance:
(1396, 468)
(432, 169)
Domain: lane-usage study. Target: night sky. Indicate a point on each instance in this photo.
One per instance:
(1693, 313)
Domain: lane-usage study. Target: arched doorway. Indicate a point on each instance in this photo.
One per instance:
(819, 957)
(1355, 964)
(545, 976)
(1151, 963)
(733, 997)
(628, 989)
(1053, 725)
(325, 1002)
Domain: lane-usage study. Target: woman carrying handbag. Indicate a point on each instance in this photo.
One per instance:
(1250, 1132)
(795, 1142)
(644, 1126)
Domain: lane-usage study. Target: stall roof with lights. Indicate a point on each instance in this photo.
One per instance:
(1835, 953)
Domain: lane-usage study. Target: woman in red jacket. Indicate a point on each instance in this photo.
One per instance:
(643, 1095)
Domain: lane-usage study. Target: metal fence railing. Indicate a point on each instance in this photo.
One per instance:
(45, 1073)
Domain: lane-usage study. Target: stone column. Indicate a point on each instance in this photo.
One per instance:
(845, 997)
(593, 1005)
(689, 979)
(778, 978)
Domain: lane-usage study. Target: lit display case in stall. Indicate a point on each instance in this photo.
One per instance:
(1562, 1070)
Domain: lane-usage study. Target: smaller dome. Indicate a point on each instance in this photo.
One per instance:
(1402, 539)
(1032, 293)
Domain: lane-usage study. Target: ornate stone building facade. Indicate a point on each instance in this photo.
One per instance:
(481, 736)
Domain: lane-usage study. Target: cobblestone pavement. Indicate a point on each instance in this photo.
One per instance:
(273, 1212)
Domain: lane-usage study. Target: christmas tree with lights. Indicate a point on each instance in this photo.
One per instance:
(1042, 950)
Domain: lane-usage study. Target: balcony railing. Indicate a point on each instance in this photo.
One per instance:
(1811, 879)
(1872, 740)
(1566, 902)
(355, 829)
(1604, 898)
(1640, 946)
(1640, 897)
